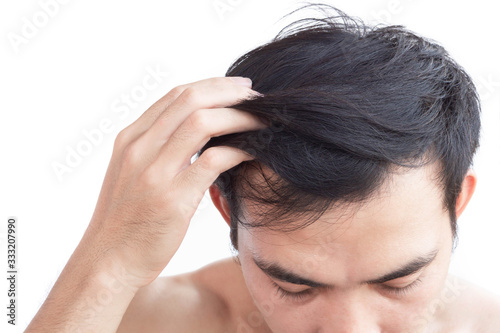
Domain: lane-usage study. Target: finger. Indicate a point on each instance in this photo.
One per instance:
(195, 98)
(192, 183)
(144, 122)
(151, 142)
(197, 130)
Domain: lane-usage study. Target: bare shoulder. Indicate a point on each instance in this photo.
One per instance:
(191, 302)
(484, 306)
(225, 280)
(471, 307)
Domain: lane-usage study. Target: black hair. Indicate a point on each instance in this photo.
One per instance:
(346, 103)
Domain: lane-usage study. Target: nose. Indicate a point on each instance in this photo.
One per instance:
(348, 327)
(349, 314)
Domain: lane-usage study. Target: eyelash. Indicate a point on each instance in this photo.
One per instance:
(282, 293)
(298, 296)
(402, 291)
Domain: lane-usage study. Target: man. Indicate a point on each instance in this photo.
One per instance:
(341, 171)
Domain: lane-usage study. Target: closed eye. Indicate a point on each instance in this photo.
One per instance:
(399, 292)
(303, 294)
(295, 296)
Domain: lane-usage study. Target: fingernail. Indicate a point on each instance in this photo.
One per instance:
(242, 81)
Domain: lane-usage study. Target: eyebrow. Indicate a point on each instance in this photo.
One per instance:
(277, 272)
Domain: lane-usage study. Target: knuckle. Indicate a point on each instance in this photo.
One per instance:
(131, 154)
(211, 158)
(199, 120)
(121, 140)
(149, 177)
(176, 91)
(190, 96)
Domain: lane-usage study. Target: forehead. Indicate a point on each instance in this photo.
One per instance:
(406, 218)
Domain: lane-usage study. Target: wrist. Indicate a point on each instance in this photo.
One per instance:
(91, 294)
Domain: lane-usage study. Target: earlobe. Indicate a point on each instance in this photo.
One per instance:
(220, 203)
(468, 188)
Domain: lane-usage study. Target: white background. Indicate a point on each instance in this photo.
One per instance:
(74, 70)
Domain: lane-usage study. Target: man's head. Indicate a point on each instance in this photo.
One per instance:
(372, 134)
(379, 266)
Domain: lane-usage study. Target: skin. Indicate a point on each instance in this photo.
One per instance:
(150, 193)
(339, 250)
(404, 221)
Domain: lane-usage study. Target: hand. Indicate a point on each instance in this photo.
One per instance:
(151, 190)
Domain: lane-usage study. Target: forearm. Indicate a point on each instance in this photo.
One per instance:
(91, 294)
(149, 195)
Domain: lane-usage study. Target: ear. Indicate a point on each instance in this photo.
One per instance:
(220, 203)
(468, 187)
